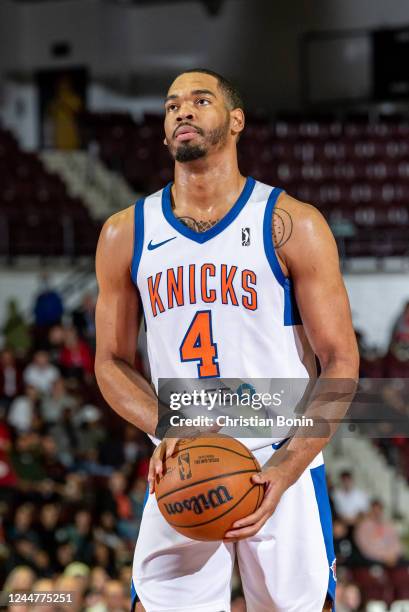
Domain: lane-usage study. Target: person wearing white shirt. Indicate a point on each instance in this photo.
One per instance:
(349, 500)
(40, 373)
(22, 408)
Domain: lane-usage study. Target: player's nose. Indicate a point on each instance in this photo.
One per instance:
(185, 113)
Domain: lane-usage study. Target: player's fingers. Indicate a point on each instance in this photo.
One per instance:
(158, 461)
(259, 478)
(250, 519)
(171, 445)
(155, 466)
(151, 476)
(245, 532)
(266, 508)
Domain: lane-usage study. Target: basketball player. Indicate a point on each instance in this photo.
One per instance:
(205, 260)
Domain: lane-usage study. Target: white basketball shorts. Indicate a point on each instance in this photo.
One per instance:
(288, 566)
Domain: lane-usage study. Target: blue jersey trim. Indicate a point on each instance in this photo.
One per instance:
(278, 445)
(202, 237)
(134, 595)
(291, 313)
(138, 238)
(268, 236)
(324, 509)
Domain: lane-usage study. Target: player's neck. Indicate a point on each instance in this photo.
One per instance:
(210, 185)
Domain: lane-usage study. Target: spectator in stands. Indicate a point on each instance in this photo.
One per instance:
(52, 406)
(377, 538)
(74, 585)
(23, 408)
(349, 598)
(20, 579)
(134, 446)
(16, 333)
(40, 373)
(106, 532)
(345, 548)
(64, 555)
(54, 469)
(83, 319)
(104, 557)
(400, 333)
(98, 578)
(22, 526)
(138, 495)
(47, 529)
(48, 307)
(55, 343)
(349, 500)
(43, 585)
(76, 492)
(11, 378)
(397, 360)
(26, 460)
(65, 435)
(91, 432)
(76, 358)
(79, 534)
(116, 500)
(115, 597)
(8, 479)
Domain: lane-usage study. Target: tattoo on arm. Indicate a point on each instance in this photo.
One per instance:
(282, 227)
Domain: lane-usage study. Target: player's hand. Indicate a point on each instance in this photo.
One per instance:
(275, 483)
(163, 451)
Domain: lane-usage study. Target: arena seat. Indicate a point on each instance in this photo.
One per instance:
(374, 583)
(356, 164)
(38, 216)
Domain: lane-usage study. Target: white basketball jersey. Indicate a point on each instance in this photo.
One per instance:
(217, 304)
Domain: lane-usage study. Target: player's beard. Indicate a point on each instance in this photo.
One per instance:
(187, 152)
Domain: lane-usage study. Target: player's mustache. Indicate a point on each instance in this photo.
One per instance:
(185, 124)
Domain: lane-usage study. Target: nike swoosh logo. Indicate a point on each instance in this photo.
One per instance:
(152, 247)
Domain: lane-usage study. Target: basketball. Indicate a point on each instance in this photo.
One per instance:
(206, 486)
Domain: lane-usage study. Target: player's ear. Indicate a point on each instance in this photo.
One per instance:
(165, 142)
(237, 120)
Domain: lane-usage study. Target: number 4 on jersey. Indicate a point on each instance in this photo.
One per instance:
(198, 345)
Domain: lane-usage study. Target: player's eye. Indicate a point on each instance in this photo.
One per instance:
(171, 107)
(202, 101)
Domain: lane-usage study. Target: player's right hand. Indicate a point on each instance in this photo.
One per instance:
(163, 451)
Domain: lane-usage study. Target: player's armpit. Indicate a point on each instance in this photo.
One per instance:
(328, 605)
(117, 324)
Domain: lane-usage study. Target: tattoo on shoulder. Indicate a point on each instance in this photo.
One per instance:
(282, 227)
(197, 225)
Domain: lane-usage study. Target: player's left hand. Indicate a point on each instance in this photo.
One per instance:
(275, 482)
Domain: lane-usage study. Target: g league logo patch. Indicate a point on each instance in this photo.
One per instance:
(245, 236)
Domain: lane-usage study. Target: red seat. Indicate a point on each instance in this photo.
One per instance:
(374, 583)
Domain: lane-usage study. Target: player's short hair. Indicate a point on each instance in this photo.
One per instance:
(230, 91)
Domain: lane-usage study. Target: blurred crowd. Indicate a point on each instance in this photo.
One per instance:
(73, 474)
(372, 550)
